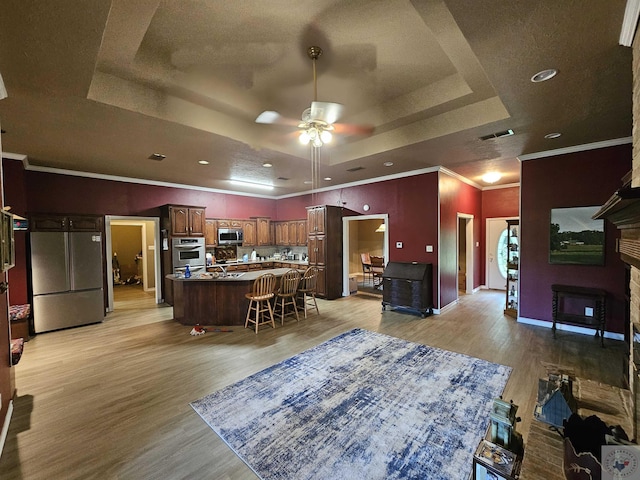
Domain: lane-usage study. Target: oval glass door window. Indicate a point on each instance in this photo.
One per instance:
(501, 253)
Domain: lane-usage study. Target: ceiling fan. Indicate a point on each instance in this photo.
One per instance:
(318, 122)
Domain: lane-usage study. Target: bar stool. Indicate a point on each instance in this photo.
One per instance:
(286, 294)
(260, 300)
(308, 289)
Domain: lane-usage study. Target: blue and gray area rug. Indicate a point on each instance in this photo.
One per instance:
(360, 406)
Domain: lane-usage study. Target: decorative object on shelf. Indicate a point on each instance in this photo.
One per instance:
(555, 400)
(575, 238)
(493, 462)
(503, 425)
(512, 268)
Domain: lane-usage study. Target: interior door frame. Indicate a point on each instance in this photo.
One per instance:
(468, 233)
(136, 221)
(346, 226)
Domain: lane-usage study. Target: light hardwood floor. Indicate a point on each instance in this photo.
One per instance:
(112, 400)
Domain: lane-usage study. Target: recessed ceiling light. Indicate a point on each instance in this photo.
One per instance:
(327, 179)
(203, 162)
(307, 182)
(544, 75)
(388, 164)
(157, 156)
(243, 183)
(491, 177)
(267, 165)
(549, 136)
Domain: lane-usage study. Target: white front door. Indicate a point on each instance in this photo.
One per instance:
(496, 253)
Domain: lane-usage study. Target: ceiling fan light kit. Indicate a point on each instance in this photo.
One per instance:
(317, 121)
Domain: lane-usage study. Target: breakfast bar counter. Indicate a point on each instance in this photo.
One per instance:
(205, 299)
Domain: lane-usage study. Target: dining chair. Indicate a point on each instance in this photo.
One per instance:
(365, 258)
(260, 301)
(377, 269)
(286, 294)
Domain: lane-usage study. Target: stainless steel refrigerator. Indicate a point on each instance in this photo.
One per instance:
(66, 277)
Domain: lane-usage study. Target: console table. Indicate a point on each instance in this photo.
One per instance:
(596, 295)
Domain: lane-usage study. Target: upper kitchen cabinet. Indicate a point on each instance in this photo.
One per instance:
(249, 233)
(210, 232)
(293, 232)
(223, 223)
(282, 233)
(264, 232)
(186, 221)
(316, 220)
(65, 223)
(302, 232)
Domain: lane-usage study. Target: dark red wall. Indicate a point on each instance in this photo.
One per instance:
(456, 197)
(411, 203)
(53, 193)
(578, 179)
(496, 203)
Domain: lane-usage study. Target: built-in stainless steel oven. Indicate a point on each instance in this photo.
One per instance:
(188, 251)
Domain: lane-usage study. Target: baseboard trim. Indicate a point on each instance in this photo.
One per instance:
(569, 328)
(5, 427)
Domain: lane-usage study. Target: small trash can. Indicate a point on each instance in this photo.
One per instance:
(353, 284)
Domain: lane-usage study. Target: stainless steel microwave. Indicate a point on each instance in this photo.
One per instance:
(230, 236)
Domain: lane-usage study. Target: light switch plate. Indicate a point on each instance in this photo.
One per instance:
(398, 244)
(588, 312)
(429, 248)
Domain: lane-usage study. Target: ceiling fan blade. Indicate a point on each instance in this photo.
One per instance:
(350, 129)
(326, 111)
(274, 118)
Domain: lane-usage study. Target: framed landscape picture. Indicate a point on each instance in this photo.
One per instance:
(575, 238)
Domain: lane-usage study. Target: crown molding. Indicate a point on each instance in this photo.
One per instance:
(498, 187)
(576, 148)
(460, 177)
(629, 23)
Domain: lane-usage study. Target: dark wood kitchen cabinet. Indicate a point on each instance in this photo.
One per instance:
(210, 232)
(263, 227)
(249, 233)
(301, 232)
(324, 244)
(65, 223)
(186, 221)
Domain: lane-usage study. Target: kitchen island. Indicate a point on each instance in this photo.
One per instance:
(205, 300)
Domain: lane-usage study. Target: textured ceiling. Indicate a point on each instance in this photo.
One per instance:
(98, 86)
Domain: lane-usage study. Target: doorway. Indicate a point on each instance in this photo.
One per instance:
(137, 238)
(362, 234)
(496, 254)
(465, 253)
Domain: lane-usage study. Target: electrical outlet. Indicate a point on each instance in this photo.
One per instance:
(588, 312)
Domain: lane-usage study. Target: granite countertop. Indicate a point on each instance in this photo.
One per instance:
(230, 277)
(250, 262)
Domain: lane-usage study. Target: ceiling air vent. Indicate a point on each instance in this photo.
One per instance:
(283, 178)
(158, 157)
(504, 133)
(354, 169)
